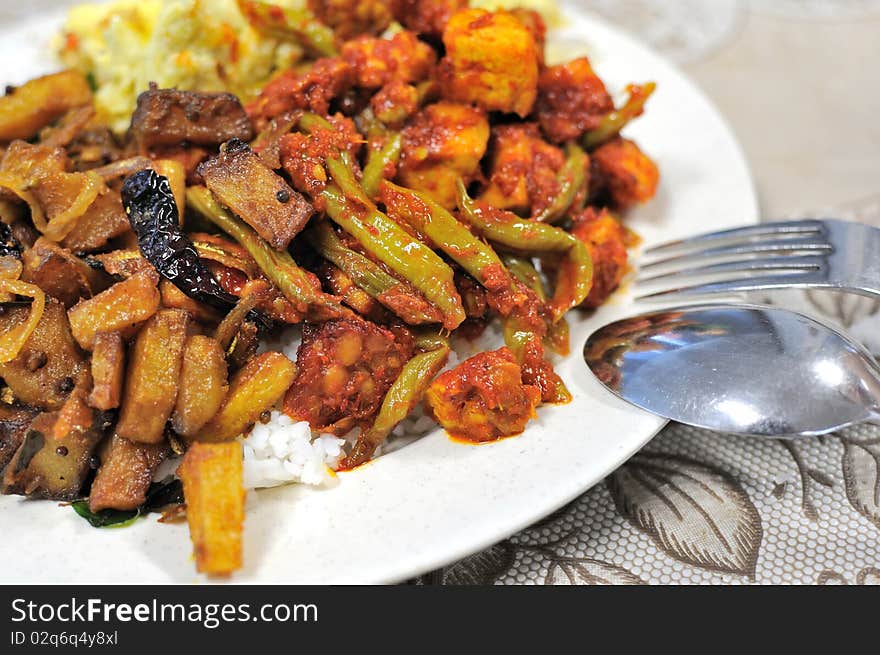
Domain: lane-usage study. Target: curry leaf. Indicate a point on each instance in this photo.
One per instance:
(160, 494)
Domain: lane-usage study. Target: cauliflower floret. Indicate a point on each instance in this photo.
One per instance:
(443, 142)
(571, 100)
(605, 239)
(377, 62)
(625, 173)
(523, 169)
(490, 61)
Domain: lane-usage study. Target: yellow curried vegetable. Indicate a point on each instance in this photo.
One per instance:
(212, 476)
(253, 390)
(187, 44)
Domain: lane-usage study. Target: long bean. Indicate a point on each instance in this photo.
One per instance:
(372, 278)
(572, 178)
(613, 122)
(401, 399)
(295, 283)
(446, 233)
(575, 274)
(378, 161)
(349, 206)
(526, 345)
(384, 239)
(557, 337)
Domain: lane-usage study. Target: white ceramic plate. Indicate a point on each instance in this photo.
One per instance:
(434, 501)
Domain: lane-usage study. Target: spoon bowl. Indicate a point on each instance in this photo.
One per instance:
(744, 369)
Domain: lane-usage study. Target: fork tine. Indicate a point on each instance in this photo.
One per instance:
(816, 243)
(805, 262)
(781, 281)
(806, 226)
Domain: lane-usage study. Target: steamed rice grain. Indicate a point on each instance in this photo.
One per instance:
(283, 451)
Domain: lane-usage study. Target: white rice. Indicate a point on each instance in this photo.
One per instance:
(282, 451)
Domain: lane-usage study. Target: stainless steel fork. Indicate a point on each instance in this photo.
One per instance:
(826, 253)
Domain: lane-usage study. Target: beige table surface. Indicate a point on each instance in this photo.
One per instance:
(798, 81)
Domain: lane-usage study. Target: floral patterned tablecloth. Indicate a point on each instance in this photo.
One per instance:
(797, 82)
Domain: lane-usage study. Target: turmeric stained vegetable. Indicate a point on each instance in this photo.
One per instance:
(153, 377)
(254, 389)
(212, 477)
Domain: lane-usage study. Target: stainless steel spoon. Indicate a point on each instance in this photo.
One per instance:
(745, 369)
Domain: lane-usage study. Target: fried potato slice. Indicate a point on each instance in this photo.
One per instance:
(203, 385)
(108, 368)
(153, 376)
(53, 459)
(103, 220)
(125, 474)
(14, 422)
(120, 308)
(255, 388)
(57, 272)
(263, 200)
(50, 364)
(173, 297)
(212, 476)
(37, 103)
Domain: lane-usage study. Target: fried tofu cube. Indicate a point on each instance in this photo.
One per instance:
(212, 475)
(605, 239)
(627, 174)
(523, 169)
(490, 61)
(153, 377)
(483, 398)
(443, 142)
(254, 389)
(571, 100)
